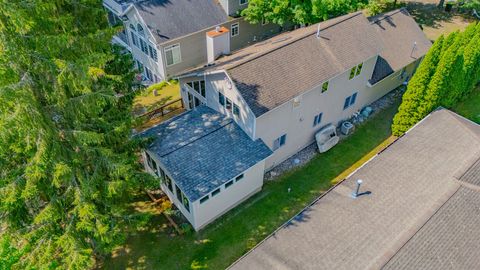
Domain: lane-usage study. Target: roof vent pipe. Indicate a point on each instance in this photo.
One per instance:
(217, 29)
(414, 48)
(357, 190)
(318, 31)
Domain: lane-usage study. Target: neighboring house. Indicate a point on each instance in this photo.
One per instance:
(287, 88)
(207, 163)
(166, 37)
(421, 209)
(276, 95)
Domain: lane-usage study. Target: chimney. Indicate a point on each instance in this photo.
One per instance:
(218, 43)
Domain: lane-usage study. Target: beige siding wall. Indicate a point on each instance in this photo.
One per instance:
(297, 122)
(215, 83)
(194, 46)
(229, 197)
(234, 7)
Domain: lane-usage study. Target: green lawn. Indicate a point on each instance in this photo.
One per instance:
(470, 106)
(227, 239)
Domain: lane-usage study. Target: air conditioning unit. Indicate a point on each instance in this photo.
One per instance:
(326, 138)
(346, 128)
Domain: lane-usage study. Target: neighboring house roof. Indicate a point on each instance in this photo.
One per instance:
(276, 77)
(203, 149)
(422, 211)
(169, 19)
(398, 31)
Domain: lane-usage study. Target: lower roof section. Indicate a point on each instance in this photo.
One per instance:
(419, 212)
(203, 149)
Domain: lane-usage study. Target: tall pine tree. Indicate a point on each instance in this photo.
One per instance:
(67, 162)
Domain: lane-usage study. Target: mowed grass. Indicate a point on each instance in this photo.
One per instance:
(470, 106)
(224, 241)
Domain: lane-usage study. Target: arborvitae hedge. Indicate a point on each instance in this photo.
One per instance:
(449, 71)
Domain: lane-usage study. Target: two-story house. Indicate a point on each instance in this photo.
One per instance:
(166, 37)
(281, 91)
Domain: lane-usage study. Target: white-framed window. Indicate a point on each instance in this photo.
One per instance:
(153, 53)
(228, 184)
(204, 199)
(317, 119)
(355, 71)
(221, 99)
(173, 55)
(148, 74)
(235, 29)
(236, 109)
(325, 87)
(349, 101)
(238, 178)
(264, 21)
(198, 86)
(279, 142)
(243, 2)
(215, 192)
(143, 46)
(134, 39)
(140, 30)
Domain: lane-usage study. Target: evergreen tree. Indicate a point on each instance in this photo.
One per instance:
(408, 113)
(67, 162)
(457, 73)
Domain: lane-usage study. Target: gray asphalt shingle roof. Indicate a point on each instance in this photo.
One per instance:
(169, 19)
(419, 214)
(203, 149)
(398, 32)
(281, 74)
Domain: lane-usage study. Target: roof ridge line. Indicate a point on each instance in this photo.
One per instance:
(354, 14)
(230, 121)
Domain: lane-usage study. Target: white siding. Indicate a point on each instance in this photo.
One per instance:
(229, 197)
(155, 67)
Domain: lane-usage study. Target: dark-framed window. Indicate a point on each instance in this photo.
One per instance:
(279, 142)
(235, 29)
(221, 99)
(238, 178)
(204, 199)
(318, 119)
(168, 183)
(325, 87)
(198, 86)
(355, 71)
(349, 101)
(236, 109)
(178, 193)
(228, 105)
(215, 192)
(229, 183)
(185, 202)
(151, 163)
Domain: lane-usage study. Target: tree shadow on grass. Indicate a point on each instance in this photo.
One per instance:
(428, 14)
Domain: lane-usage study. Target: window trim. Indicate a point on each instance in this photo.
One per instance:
(171, 48)
(279, 142)
(239, 177)
(215, 192)
(237, 26)
(350, 101)
(228, 184)
(325, 86)
(318, 119)
(204, 199)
